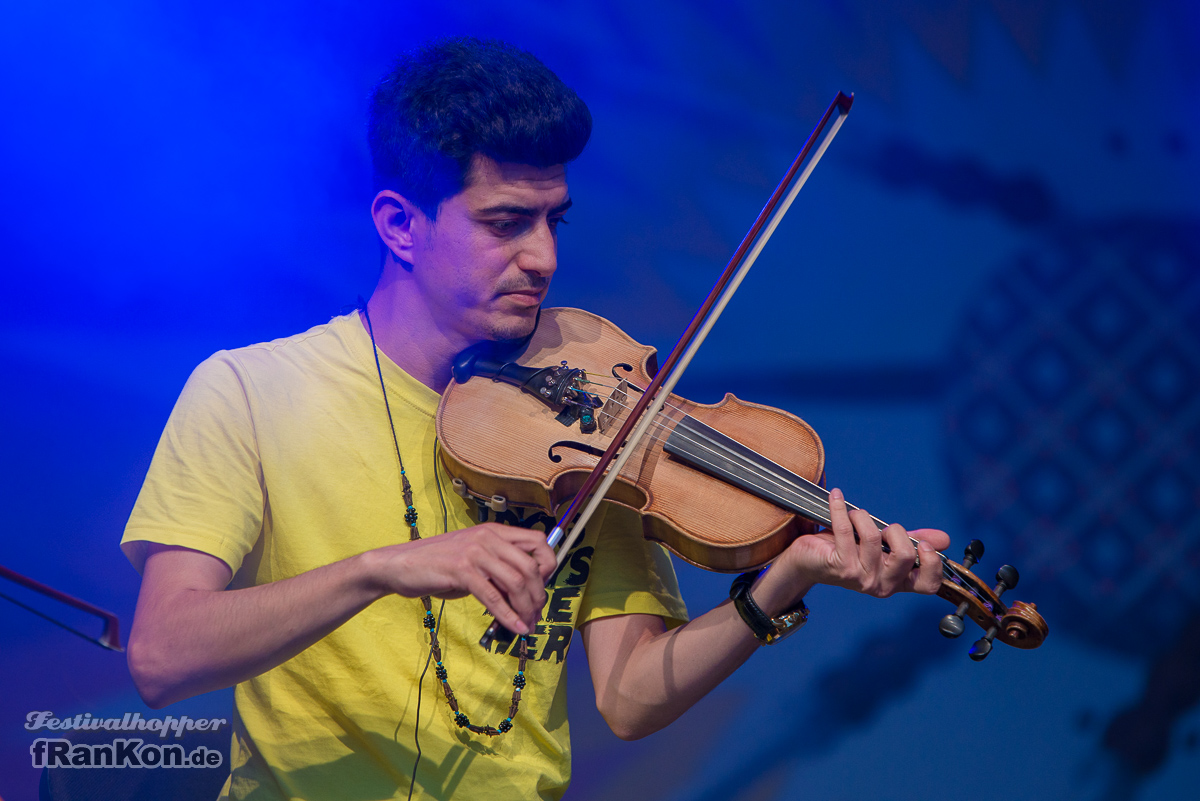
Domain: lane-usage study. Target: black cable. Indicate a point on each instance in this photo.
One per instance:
(362, 304)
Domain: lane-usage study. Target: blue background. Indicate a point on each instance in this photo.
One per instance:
(985, 301)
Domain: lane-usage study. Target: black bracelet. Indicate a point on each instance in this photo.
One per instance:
(767, 630)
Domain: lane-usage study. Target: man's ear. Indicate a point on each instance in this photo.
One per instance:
(395, 220)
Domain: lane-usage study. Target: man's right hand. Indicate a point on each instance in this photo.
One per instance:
(505, 567)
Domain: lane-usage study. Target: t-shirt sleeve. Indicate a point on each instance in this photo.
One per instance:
(630, 574)
(204, 489)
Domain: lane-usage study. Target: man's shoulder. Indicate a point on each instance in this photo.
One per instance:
(330, 343)
(336, 334)
(326, 351)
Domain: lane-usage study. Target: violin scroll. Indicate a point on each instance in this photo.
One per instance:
(1018, 625)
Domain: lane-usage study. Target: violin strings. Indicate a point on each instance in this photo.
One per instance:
(807, 491)
(810, 494)
(800, 490)
(813, 494)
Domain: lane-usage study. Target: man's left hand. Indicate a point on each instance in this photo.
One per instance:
(837, 556)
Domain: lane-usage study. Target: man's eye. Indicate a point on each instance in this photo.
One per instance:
(503, 226)
(554, 221)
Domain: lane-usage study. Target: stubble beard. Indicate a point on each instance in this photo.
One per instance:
(513, 330)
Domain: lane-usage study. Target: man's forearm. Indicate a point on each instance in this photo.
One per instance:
(193, 639)
(658, 675)
(646, 677)
(191, 635)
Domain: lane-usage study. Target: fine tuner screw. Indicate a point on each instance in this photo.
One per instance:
(952, 624)
(1006, 578)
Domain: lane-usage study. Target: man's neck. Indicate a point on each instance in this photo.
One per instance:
(407, 334)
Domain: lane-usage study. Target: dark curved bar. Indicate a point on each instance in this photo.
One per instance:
(110, 637)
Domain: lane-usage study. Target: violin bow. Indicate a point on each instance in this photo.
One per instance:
(651, 401)
(109, 638)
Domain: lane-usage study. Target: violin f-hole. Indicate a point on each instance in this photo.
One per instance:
(622, 366)
(578, 446)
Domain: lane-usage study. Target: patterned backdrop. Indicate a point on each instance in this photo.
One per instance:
(1073, 428)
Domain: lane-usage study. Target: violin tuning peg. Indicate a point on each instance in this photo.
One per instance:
(983, 646)
(952, 625)
(1006, 578)
(980, 650)
(972, 553)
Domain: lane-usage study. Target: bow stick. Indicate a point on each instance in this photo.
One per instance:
(110, 637)
(642, 416)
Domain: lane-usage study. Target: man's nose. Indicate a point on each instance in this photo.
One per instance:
(540, 254)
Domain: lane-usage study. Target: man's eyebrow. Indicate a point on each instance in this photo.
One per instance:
(525, 211)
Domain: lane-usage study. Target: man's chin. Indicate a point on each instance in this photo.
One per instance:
(513, 325)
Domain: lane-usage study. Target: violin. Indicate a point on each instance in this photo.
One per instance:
(726, 486)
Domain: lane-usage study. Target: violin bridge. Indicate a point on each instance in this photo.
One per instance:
(614, 408)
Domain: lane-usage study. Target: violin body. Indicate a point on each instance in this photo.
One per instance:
(498, 441)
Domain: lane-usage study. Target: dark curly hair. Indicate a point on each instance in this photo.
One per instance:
(452, 98)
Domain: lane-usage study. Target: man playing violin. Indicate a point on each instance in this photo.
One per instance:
(295, 515)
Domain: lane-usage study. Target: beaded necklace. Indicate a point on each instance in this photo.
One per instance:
(429, 621)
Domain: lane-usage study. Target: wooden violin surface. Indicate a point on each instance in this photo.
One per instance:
(499, 441)
(725, 486)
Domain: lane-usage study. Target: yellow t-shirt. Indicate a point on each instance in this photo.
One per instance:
(278, 459)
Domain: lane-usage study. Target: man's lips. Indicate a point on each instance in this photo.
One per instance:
(524, 295)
